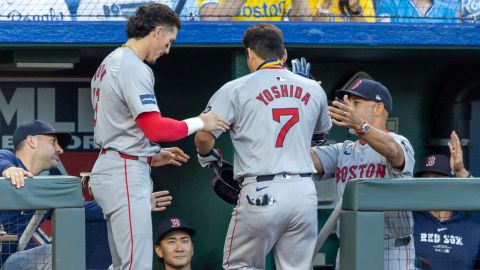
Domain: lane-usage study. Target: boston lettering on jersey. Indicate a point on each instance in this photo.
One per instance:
(361, 171)
(283, 91)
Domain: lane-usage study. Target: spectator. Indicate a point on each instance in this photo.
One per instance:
(174, 246)
(418, 11)
(342, 10)
(445, 239)
(376, 154)
(253, 10)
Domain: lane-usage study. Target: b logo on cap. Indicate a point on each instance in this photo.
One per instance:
(175, 222)
(430, 161)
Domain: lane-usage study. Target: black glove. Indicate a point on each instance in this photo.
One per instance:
(224, 185)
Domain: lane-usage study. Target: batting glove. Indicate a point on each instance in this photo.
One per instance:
(213, 156)
(301, 67)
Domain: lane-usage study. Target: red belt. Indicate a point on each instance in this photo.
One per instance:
(125, 156)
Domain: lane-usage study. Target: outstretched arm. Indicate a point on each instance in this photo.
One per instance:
(317, 163)
(343, 115)
(163, 129)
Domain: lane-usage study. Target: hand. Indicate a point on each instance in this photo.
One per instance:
(213, 156)
(16, 176)
(456, 156)
(301, 67)
(212, 122)
(170, 156)
(160, 200)
(343, 114)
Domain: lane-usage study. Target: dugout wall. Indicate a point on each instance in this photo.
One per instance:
(416, 62)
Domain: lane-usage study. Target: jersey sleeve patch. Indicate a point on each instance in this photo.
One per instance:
(148, 99)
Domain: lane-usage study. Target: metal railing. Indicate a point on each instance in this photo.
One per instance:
(64, 195)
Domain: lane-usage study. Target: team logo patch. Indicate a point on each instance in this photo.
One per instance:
(280, 78)
(148, 99)
(175, 222)
(430, 161)
(207, 109)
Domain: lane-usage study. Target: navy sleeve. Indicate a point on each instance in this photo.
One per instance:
(7, 160)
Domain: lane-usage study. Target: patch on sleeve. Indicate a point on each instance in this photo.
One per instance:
(148, 99)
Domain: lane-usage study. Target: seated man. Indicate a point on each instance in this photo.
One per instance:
(37, 147)
(174, 246)
(445, 239)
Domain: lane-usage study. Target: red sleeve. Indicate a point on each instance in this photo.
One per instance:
(161, 129)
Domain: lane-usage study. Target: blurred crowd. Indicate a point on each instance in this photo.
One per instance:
(409, 11)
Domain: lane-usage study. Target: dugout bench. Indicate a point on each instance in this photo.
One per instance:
(64, 195)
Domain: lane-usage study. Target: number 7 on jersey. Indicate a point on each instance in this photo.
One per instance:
(277, 114)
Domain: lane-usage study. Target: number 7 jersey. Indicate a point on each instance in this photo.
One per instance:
(273, 114)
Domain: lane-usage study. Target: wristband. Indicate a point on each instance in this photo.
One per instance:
(194, 124)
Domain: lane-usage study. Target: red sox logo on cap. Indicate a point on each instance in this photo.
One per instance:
(357, 84)
(175, 222)
(430, 161)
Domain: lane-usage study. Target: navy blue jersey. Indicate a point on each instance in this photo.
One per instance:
(14, 222)
(451, 244)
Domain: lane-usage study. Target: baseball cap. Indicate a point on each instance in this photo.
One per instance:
(173, 224)
(38, 127)
(437, 164)
(369, 90)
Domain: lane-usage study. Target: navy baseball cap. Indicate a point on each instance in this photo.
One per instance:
(38, 127)
(173, 224)
(369, 90)
(436, 164)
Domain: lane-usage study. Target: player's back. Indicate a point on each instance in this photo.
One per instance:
(276, 112)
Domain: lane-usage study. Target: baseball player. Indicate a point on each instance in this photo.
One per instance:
(273, 114)
(364, 109)
(127, 124)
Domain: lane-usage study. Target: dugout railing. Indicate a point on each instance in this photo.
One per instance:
(364, 203)
(63, 194)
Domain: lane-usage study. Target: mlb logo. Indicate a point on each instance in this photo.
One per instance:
(280, 78)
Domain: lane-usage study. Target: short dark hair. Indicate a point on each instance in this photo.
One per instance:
(266, 40)
(149, 16)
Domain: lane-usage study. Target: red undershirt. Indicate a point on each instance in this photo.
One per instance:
(161, 129)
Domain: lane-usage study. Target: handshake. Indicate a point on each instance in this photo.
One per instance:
(213, 157)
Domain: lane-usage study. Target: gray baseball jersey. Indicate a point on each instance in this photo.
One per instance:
(122, 88)
(273, 114)
(353, 160)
